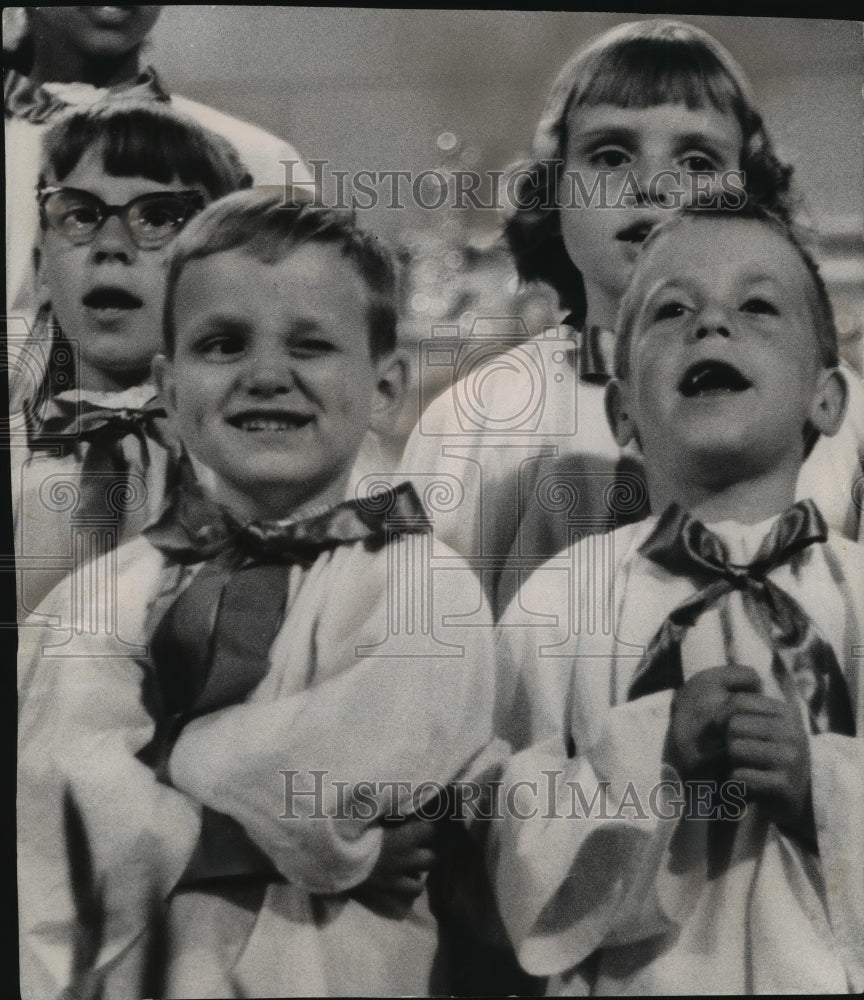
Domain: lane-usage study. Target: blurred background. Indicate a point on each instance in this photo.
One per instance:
(445, 90)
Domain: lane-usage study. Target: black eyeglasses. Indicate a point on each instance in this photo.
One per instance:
(152, 220)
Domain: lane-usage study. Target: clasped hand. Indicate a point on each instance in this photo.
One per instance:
(723, 727)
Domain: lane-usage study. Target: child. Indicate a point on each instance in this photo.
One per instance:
(74, 57)
(96, 466)
(291, 698)
(722, 653)
(647, 116)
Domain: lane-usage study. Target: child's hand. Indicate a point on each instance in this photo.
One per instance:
(403, 865)
(768, 750)
(696, 738)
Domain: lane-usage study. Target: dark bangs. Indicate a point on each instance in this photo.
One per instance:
(147, 141)
(646, 72)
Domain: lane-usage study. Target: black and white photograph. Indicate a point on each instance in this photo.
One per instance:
(434, 475)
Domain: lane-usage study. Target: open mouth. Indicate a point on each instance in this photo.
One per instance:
(709, 377)
(636, 233)
(111, 298)
(259, 421)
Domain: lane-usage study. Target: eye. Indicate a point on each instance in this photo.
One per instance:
(158, 217)
(220, 346)
(760, 307)
(311, 347)
(669, 310)
(610, 157)
(80, 217)
(699, 163)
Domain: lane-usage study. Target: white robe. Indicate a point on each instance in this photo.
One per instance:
(571, 886)
(369, 681)
(479, 451)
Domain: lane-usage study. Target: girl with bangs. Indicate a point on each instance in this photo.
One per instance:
(58, 59)
(648, 117)
(118, 183)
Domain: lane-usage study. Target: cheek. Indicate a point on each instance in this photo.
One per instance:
(579, 232)
(59, 273)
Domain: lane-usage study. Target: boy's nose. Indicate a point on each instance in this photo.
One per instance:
(266, 378)
(713, 320)
(112, 242)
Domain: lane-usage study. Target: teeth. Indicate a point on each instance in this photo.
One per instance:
(269, 424)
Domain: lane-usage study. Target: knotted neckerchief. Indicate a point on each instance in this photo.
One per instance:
(685, 547)
(38, 103)
(107, 492)
(211, 648)
(596, 348)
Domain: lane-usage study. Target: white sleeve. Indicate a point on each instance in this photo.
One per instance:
(582, 841)
(94, 826)
(310, 775)
(837, 776)
(261, 152)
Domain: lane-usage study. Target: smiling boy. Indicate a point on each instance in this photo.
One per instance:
(728, 665)
(285, 670)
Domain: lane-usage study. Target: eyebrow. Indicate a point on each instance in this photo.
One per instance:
(623, 133)
(607, 133)
(304, 325)
(762, 276)
(702, 135)
(222, 323)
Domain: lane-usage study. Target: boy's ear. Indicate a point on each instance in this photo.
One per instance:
(390, 387)
(624, 430)
(163, 379)
(829, 402)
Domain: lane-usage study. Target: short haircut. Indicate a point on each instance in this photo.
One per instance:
(144, 139)
(637, 65)
(265, 224)
(824, 327)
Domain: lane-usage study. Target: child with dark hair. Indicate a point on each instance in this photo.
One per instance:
(688, 758)
(251, 824)
(647, 117)
(74, 57)
(118, 183)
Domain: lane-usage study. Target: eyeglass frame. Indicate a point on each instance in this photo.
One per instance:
(196, 198)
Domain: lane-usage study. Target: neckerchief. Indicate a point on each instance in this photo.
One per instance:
(211, 648)
(38, 103)
(107, 490)
(685, 547)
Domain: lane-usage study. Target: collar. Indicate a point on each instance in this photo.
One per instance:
(37, 103)
(596, 351)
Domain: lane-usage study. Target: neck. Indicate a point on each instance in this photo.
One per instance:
(98, 380)
(748, 501)
(602, 307)
(54, 61)
(269, 503)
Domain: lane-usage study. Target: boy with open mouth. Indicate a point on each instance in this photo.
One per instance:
(699, 685)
